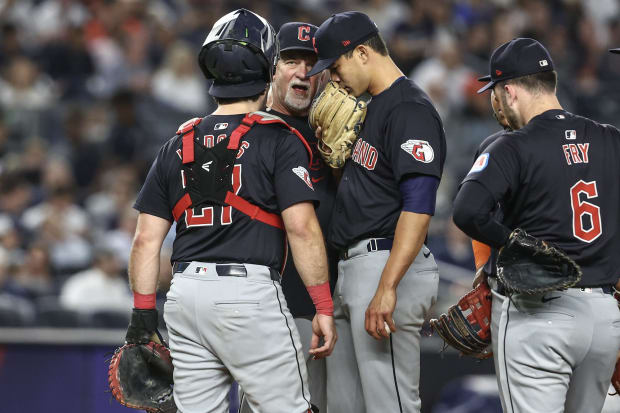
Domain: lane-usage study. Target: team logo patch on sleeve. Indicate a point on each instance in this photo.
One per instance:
(480, 164)
(302, 173)
(421, 150)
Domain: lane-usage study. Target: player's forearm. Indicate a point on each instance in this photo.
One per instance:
(143, 266)
(145, 251)
(473, 208)
(409, 237)
(306, 241)
(309, 255)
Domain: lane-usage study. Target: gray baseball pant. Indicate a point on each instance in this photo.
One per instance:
(364, 374)
(555, 352)
(233, 327)
(316, 370)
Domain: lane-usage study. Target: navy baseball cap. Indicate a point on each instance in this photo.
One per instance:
(614, 50)
(516, 58)
(339, 34)
(297, 36)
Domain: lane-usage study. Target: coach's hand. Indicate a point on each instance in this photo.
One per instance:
(379, 313)
(323, 327)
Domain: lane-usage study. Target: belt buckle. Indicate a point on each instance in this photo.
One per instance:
(372, 245)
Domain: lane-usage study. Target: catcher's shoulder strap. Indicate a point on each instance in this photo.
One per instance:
(188, 130)
(265, 118)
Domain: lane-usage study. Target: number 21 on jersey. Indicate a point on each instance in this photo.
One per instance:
(205, 217)
(578, 194)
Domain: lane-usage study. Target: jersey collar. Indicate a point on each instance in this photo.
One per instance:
(552, 114)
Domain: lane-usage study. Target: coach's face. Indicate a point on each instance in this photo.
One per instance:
(350, 73)
(292, 92)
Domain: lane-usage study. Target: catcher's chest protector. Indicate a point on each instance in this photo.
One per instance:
(208, 171)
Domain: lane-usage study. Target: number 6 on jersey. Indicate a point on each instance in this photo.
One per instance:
(581, 208)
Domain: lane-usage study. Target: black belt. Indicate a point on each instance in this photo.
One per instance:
(224, 270)
(374, 244)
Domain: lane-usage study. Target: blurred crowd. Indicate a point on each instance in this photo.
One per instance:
(90, 89)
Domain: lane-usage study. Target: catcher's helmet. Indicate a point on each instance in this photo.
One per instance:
(239, 54)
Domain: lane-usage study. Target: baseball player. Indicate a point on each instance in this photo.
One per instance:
(292, 95)
(233, 182)
(484, 257)
(384, 203)
(616, 377)
(555, 177)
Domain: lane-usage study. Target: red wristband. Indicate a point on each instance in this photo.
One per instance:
(322, 298)
(143, 301)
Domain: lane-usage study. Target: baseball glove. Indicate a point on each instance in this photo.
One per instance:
(530, 266)
(140, 372)
(467, 325)
(140, 377)
(340, 116)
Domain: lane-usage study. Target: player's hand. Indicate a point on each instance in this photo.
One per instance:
(318, 132)
(481, 276)
(379, 313)
(323, 327)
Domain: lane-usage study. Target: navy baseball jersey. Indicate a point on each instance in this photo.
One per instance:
(402, 136)
(271, 171)
(557, 178)
(299, 302)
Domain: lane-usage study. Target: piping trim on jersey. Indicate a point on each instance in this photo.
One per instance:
(290, 332)
(241, 401)
(512, 409)
(400, 406)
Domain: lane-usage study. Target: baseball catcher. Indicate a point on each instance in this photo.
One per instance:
(466, 326)
(340, 116)
(530, 266)
(140, 372)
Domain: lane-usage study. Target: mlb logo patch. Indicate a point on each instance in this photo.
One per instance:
(543, 63)
(220, 126)
(570, 134)
(201, 270)
(480, 164)
(421, 150)
(303, 174)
